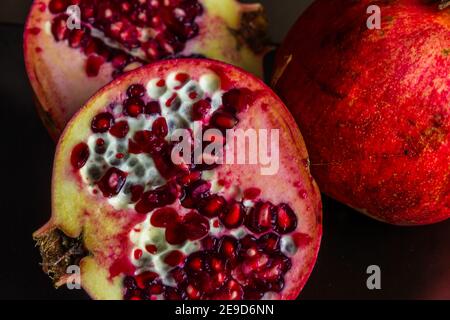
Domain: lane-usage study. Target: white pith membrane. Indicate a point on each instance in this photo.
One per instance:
(140, 167)
(176, 101)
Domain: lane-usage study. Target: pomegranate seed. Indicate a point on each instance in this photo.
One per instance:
(143, 139)
(189, 178)
(174, 258)
(152, 107)
(120, 129)
(145, 278)
(87, 10)
(35, 31)
(193, 95)
(237, 100)
(146, 141)
(216, 264)
(91, 47)
(285, 219)
(112, 182)
(220, 279)
(200, 109)
(281, 262)
(194, 263)
(136, 193)
(248, 242)
(162, 218)
(161, 83)
(175, 234)
(195, 226)
(151, 248)
(178, 274)
(80, 155)
(58, 6)
(235, 290)
(228, 247)
(134, 107)
(171, 101)
(212, 206)
(199, 189)
(137, 254)
(269, 242)
(93, 64)
(259, 219)
(102, 122)
(195, 192)
(172, 294)
(76, 37)
(160, 128)
(129, 283)
(209, 243)
(119, 61)
(192, 292)
(136, 91)
(59, 28)
(182, 78)
(233, 217)
(156, 288)
(100, 146)
(224, 120)
(250, 294)
(252, 193)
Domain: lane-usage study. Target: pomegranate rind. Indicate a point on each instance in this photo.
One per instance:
(57, 72)
(77, 212)
(373, 105)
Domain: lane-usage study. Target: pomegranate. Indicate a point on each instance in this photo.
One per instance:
(143, 225)
(71, 53)
(374, 104)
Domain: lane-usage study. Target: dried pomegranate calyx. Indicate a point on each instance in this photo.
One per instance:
(58, 253)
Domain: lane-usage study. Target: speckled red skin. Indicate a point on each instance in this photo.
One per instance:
(374, 105)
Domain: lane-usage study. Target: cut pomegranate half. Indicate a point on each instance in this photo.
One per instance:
(67, 63)
(146, 227)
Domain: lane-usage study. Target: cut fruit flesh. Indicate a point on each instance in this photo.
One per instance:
(138, 222)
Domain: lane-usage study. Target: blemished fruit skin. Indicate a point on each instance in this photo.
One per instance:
(374, 105)
(103, 230)
(227, 31)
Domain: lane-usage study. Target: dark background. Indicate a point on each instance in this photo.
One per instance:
(414, 262)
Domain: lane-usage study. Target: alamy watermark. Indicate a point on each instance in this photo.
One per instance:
(74, 19)
(374, 280)
(237, 146)
(73, 280)
(374, 21)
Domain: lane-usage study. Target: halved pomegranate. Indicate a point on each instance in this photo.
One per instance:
(67, 65)
(142, 226)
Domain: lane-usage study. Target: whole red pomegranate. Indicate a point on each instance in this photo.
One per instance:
(142, 225)
(75, 47)
(374, 104)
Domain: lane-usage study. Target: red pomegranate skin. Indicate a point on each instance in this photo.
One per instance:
(374, 105)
